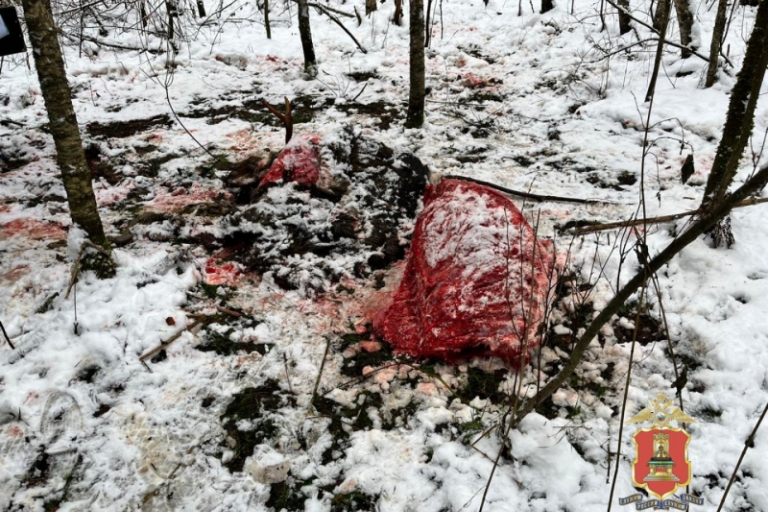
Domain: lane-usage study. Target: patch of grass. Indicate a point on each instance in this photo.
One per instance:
(483, 385)
(288, 495)
(48, 304)
(255, 405)
(224, 345)
(354, 501)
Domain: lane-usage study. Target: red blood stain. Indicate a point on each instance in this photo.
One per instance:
(298, 162)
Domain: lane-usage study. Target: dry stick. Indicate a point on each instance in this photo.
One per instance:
(76, 265)
(286, 118)
(170, 340)
(287, 374)
(528, 195)
(706, 221)
(626, 395)
(5, 335)
(658, 220)
(336, 20)
(320, 373)
(228, 311)
(747, 444)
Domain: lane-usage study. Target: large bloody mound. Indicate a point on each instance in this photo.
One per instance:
(476, 279)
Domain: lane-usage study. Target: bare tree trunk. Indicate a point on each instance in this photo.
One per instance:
(624, 18)
(200, 9)
(427, 24)
(546, 6)
(415, 117)
(398, 18)
(310, 62)
(685, 21)
(70, 155)
(266, 19)
(662, 10)
(663, 21)
(717, 41)
(740, 118)
(170, 7)
(370, 6)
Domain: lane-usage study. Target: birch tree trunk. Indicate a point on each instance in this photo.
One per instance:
(415, 117)
(310, 62)
(70, 155)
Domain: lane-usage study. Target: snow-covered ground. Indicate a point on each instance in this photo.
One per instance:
(214, 421)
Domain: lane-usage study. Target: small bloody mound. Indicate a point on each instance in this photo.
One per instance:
(298, 162)
(476, 281)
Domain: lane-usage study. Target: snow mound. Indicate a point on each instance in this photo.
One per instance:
(477, 278)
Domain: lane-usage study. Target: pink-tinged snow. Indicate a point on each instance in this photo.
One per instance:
(477, 279)
(221, 273)
(172, 201)
(32, 229)
(576, 117)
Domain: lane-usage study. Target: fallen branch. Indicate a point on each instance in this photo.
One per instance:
(656, 220)
(336, 20)
(702, 225)
(528, 195)
(5, 335)
(170, 340)
(286, 118)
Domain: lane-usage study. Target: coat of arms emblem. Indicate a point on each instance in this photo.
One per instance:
(661, 464)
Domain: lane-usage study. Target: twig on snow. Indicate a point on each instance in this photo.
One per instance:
(170, 340)
(529, 195)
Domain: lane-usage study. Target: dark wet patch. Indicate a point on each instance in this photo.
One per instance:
(124, 129)
(224, 343)
(483, 385)
(252, 110)
(257, 406)
(650, 330)
(385, 113)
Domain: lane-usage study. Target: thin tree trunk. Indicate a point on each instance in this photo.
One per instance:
(398, 18)
(170, 7)
(717, 40)
(266, 19)
(662, 9)
(310, 62)
(546, 6)
(415, 117)
(624, 18)
(70, 155)
(740, 118)
(427, 24)
(685, 22)
(663, 21)
(370, 6)
(200, 9)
